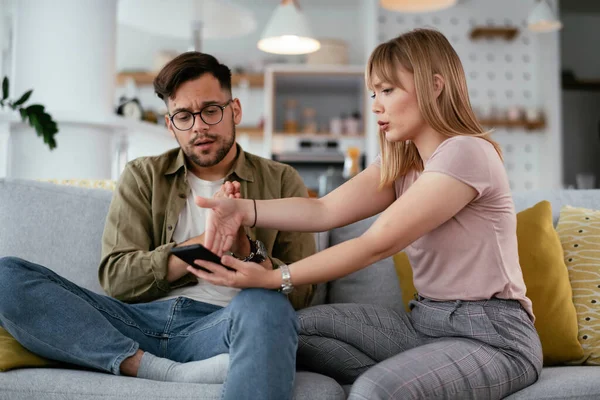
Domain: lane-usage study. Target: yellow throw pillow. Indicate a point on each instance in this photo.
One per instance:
(405, 276)
(579, 232)
(13, 355)
(547, 281)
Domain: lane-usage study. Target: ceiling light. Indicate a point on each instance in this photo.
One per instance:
(542, 19)
(288, 32)
(416, 5)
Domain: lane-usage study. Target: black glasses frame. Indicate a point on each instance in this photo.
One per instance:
(222, 107)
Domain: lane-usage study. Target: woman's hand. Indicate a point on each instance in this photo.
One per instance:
(231, 190)
(246, 274)
(223, 221)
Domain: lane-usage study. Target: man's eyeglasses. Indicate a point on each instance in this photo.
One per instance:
(211, 115)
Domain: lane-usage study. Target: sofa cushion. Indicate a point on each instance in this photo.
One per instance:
(63, 384)
(557, 383)
(547, 280)
(562, 383)
(59, 227)
(376, 284)
(579, 232)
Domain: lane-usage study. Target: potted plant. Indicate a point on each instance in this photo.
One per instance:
(33, 114)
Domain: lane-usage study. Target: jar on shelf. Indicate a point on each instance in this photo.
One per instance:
(351, 162)
(309, 124)
(290, 123)
(352, 124)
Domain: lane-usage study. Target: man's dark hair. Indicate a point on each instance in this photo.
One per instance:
(186, 67)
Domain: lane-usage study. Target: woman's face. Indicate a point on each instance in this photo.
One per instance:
(397, 110)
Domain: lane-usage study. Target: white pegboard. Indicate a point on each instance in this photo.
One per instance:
(499, 73)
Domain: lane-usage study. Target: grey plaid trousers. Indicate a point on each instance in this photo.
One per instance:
(440, 350)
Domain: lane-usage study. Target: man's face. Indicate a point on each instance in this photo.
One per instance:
(204, 145)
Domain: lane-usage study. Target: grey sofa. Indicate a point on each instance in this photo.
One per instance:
(61, 227)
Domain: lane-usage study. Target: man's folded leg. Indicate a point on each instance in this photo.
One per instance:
(53, 317)
(259, 330)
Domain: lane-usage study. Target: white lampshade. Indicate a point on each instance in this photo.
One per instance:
(416, 5)
(219, 19)
(542, 19)
(288, 32)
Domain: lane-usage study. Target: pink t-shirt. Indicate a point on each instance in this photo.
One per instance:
(474, 255)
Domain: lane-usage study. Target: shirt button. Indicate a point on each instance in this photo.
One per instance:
(170, 227)
(182, 195)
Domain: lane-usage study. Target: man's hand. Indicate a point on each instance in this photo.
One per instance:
(177, 267)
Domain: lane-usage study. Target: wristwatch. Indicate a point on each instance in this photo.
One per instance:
(258, 251)
(286, 279)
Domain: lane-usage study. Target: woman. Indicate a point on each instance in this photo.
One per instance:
(443, 194)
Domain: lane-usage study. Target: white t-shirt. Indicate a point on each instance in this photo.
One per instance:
(191, 224)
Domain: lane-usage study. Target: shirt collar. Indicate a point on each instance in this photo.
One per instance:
(242, 167)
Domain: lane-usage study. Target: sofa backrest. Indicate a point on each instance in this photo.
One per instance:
(558, 198)
(59, 227)
(377, 284)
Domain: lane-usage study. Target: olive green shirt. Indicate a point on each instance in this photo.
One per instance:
(144, 211)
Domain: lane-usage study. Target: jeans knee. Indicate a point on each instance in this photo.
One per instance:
(11, 275)
(264, 308)
(11, 269)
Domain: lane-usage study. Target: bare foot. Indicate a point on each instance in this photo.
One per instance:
(130, 365)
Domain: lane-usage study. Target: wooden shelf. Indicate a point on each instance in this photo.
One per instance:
(502, 123)
(324, 135)
(143, 78)
(489, 32)
(250, 130)
(591, 85)
(254, 80)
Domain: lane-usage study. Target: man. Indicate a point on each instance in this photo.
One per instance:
(176, 318)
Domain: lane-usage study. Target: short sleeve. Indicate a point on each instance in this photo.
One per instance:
(466, 159)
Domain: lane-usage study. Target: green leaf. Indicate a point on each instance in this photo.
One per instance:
(23, 113)
(5, 88)
(22, 99)
(35, 108)
(35, 123)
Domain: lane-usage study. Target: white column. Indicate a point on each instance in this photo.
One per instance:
(4, 153)
(65, 52)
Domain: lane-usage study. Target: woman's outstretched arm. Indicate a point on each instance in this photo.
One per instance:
(356, 199)
(432, 200)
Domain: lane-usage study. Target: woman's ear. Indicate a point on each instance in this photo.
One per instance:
(438, 84)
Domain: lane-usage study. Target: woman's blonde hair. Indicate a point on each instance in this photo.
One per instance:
(424, 52)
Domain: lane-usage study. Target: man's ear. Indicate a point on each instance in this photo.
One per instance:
(236, 106)
(438, 84)
(169, 125)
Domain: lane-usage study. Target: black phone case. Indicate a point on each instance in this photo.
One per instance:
(197, 252)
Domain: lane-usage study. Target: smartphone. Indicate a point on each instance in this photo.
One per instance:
(197, 252)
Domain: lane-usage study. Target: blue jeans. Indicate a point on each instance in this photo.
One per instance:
(59, 320)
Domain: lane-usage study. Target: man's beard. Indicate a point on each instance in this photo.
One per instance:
(206, 160)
